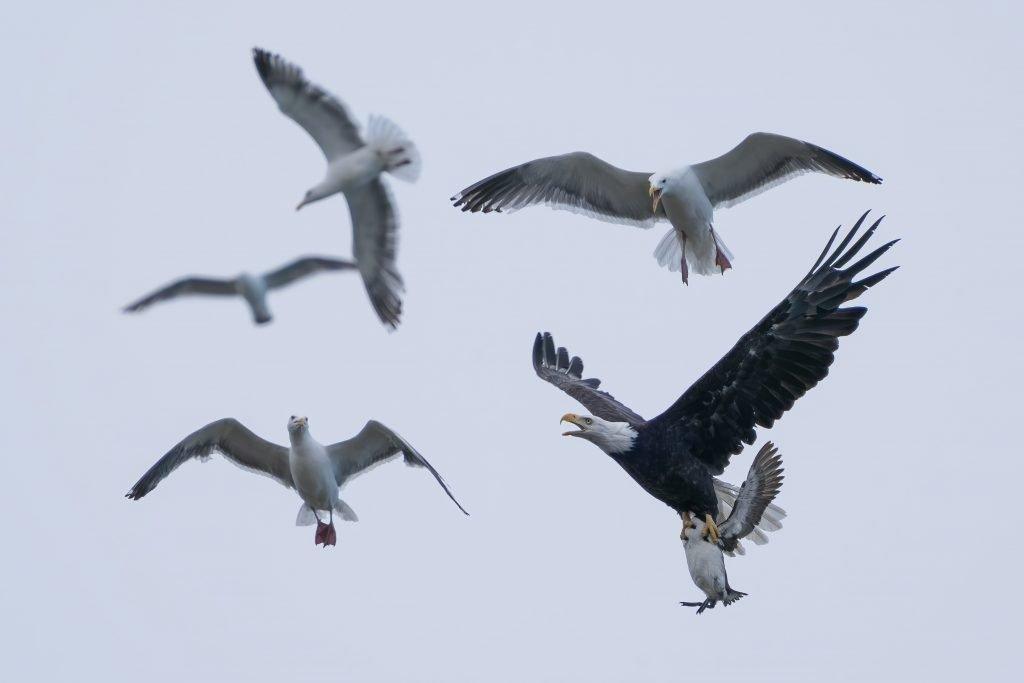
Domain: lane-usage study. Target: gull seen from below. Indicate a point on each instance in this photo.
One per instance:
(252, 288)
(354, 168)
(686, 196)
(315, 471)
(676, 456)
(706, 560)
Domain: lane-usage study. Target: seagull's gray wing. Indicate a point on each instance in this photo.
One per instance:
(228, 437)
(373, 445)
(186, 285)
(320, 113)
(301, 267)
(375, 244)
(578, 182)
(764, 479)
(557, 368)
(764, 160)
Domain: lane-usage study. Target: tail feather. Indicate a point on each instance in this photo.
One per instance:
(732, 596)
(402, 158)
(669, 251)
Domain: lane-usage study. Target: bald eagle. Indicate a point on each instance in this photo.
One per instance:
(676, 455)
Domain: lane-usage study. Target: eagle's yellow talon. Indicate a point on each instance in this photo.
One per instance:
(710, 529)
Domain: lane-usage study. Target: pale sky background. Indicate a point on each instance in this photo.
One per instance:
(140, 145)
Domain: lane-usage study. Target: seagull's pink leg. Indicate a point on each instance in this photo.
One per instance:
(331, 536)
(721, 260)
(683, 268)
(321, 533)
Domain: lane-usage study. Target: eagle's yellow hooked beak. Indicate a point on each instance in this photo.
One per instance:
(571, 418)
(655, 194)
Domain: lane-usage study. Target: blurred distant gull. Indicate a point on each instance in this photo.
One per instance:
(686, 196)
(315, 471)
(252, 288)
(676, 456)
(354, 166)
(705, 560)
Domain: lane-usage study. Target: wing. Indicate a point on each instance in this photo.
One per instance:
(578, 182)
(764, 160)
(775, 363)
(228, 437)
(301, 267)
(566, 373)
(374, 445)
(187, 285)
(375, 244)
(764, 480)
(321, 114)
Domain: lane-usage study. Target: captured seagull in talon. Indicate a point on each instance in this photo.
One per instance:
(705, 559)
(686, 196)
(252, 288)
(316, 472)
(355, 165)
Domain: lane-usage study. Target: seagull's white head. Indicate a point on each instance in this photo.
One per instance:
(316, 193)
(660, 183)
(610, 437)
(297, 424)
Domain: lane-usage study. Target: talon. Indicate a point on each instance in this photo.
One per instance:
(687, 524)
(710, 529)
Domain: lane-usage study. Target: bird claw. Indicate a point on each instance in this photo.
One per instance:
(325, 534)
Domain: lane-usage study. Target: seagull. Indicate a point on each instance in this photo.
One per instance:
(676, 456)
(706, 560)
(315, 471)
(354, 168)
(685, 196)
(252, 288)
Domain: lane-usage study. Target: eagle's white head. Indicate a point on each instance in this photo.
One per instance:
(610, 437)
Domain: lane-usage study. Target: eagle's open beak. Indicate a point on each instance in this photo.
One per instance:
(655, 194)
(572, 418)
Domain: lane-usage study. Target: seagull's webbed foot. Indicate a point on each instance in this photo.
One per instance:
(701, 606)
(710, 529)
(722, 261)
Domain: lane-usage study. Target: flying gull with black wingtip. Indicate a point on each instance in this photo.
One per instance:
(252, 288)
(676, 456)
(315, 471)
(355, 165)
(686, 196)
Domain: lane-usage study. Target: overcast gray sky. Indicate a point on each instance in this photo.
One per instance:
(139, 145)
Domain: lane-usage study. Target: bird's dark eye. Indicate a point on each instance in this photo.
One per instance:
(588, 421)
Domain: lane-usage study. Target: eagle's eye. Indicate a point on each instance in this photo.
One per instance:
(588, 421)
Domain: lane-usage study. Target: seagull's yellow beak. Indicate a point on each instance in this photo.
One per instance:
(655, 194)
(571, 418)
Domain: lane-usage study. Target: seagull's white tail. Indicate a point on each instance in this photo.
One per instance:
(347, 513)
(700, 252)
(400, 155)
(669, 251)
(306, 516)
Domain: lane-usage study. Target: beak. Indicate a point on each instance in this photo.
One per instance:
(571, 418)
(304, 421)
(655, 194)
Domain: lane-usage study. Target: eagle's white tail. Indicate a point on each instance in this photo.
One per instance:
(401, 157)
